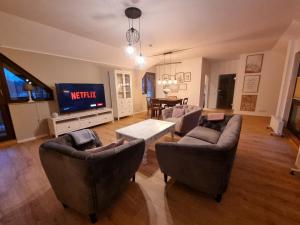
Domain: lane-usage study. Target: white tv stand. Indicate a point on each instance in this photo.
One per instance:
(80, 120)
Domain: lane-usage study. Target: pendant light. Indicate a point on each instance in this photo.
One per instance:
(133, 35)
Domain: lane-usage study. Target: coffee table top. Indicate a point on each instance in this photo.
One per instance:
(146, 129)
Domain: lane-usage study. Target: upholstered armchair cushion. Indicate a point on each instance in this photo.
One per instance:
(178, 112)
(66, 139)
(166, 113)
(186, 122)
(216, 125)
(205, 134)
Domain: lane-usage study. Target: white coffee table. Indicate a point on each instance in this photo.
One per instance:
(150, 130)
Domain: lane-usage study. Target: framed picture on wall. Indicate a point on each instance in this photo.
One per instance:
(187, 77)
(180, 77)
(165, 76)
(183, 87)
(172, 77)
(251, 83)
(248, 103)
(254, 63)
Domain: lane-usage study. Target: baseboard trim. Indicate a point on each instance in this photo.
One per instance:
(32, 138)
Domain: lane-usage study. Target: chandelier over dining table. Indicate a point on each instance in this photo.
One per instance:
(165, 75)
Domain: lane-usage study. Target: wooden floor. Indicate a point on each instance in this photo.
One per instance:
(261, 191)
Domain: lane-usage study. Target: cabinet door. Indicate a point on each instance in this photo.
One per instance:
(127, 85)
(120, 86)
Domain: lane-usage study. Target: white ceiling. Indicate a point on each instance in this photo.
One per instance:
(214, 28)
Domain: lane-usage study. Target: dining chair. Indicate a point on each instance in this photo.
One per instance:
(156, 108)
(185, 101)
(149, 104)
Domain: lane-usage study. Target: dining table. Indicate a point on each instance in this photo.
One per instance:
(169, 102)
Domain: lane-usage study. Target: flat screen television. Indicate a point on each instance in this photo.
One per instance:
(79, 97)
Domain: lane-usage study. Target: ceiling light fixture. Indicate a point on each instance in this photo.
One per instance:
(133, 35)
(171, 78)
(140, 60)
(130, 49)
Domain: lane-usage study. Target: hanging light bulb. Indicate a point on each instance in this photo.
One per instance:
(164, 82)
(130, 49)
(140, 60)
(175, 81)
(159, 82)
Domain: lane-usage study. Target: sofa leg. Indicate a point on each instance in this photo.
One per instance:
(93, 218)
(166, 178)
(64, 205)
(218, 198)
(133, 178)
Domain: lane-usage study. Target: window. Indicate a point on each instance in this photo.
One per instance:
(148, 84)
(15, 79)
(39, 93)
(15, 86)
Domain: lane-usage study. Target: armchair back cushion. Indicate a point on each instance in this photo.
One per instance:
(187, 121)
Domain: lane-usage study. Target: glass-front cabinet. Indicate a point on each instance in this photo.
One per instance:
(120, 85)
(121, 88)
(127, 84)
(123, 85)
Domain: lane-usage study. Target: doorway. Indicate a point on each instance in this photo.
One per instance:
(225, 91)
(148, 85)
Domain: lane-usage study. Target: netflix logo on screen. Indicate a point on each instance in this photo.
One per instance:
(78, 97)
(75, 95)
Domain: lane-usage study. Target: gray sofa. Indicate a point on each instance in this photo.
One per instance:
(186, 122)
(88, 182)
(202, 159)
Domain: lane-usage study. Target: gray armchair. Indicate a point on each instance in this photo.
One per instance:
(185, 123)
(88, 182)
(202, 159)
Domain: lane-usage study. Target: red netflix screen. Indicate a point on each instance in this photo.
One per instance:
(78, 97)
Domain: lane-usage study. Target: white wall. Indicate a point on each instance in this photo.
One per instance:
(217, 68)
(269, 86)
(193, 88)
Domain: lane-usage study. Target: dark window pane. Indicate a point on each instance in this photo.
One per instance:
(15, 86)
(2, 126)
(40, 93)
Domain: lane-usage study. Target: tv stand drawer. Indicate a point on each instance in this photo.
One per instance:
(67, 126)
(89, 122)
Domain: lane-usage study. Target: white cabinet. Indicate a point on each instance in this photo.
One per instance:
(121, 93)
(76, 121)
